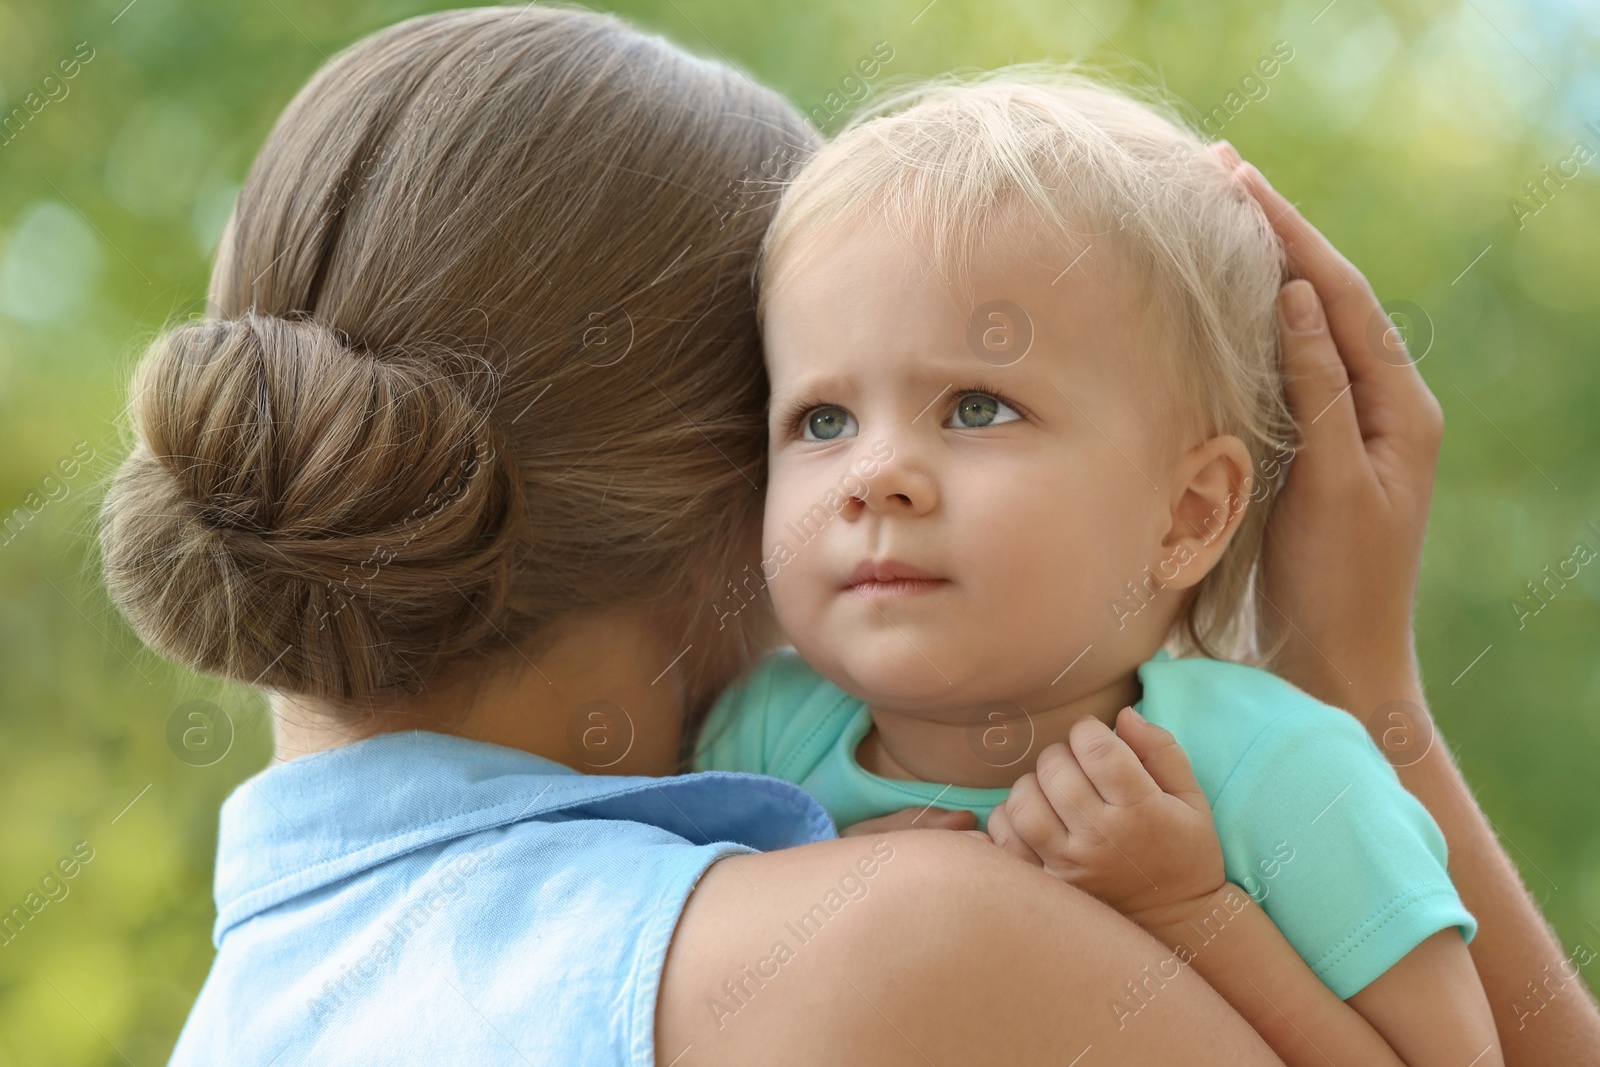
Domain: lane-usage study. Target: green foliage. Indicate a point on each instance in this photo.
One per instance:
(1405, 131)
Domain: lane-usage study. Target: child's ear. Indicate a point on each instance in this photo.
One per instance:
(1211, 489)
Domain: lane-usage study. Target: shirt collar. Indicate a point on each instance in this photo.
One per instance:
(301, 825)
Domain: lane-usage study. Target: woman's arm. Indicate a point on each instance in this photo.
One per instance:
(950, 953)
(1340, 575)
(1122, 816)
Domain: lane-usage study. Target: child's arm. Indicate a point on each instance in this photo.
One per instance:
(1257, 971)
(1427, 1009)
(1122, 817)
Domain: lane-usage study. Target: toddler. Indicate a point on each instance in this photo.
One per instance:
(1026, 428)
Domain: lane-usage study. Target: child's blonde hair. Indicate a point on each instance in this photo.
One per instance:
(959, 162)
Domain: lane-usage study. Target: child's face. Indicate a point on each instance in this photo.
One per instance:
(1031, 491)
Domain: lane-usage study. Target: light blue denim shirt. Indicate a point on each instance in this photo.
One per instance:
(419, 898)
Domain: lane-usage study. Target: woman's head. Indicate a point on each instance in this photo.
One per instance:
(1031, 201)
(480, 354)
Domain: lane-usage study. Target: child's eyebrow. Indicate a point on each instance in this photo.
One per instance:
(810, 385)
(932, 375)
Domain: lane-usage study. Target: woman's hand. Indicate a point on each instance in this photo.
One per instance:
(1344, 545)
(1340, 575)
(915, 819)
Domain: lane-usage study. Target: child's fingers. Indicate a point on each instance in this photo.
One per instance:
(1165, 760)
(1113, 770)
(1068, 790)
(1003, 834)
(1035, 818)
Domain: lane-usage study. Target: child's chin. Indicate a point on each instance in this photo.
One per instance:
(897, 681)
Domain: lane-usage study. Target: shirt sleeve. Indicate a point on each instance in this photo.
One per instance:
(1316, 826)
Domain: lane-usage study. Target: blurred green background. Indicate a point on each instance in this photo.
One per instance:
(1406, 130)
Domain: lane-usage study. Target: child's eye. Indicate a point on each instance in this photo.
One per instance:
(975, 410)
(827, 423)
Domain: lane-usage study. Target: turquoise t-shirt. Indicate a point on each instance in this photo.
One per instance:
(1313, 821)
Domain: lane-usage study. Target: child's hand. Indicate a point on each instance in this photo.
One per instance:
(1118, 815)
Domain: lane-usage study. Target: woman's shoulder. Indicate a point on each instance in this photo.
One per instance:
(349, 883)
(854, 950)
(550, 933)
(766, 938)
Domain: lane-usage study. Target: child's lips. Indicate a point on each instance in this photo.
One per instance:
(896, 587)
(878, 579)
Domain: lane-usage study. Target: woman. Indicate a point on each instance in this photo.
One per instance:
(455, 470)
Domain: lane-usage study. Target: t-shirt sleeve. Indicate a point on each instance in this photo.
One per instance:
(738, 734)
(1316, 826)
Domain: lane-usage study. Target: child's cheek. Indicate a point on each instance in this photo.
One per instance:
(787, 564)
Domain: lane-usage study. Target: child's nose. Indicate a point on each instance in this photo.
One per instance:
(902, 486)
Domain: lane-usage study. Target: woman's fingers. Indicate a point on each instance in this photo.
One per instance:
(1345, 294)
(1227, 153)
(1315, 380)
(1343, 544)
(1390, 396)
(913, 819)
